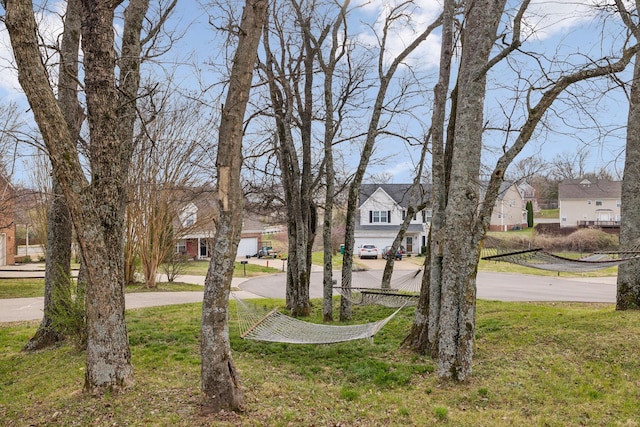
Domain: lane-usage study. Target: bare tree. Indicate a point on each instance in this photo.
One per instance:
(290, 80)
(220, 379)
(444, 324)
(96, 206)
(11, 124)
(569, 165)
(305, 35)
(332, 122)
(385, 76)
(628, 283)
(164, 179)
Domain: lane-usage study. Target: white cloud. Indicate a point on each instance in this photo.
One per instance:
(8, 75)
(50, 28)
(545, 19)
(416, 19)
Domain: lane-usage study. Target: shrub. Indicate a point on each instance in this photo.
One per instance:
(67, 314)
(591, 240)
(583, 240)
(174, 265)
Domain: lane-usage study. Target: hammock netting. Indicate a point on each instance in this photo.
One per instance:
(403, 291)
(540, 259)
(277, 327)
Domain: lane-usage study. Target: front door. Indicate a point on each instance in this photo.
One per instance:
(604, 216)
(409, 245)
(204, 252)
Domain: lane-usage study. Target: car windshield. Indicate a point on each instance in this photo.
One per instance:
(369, 246)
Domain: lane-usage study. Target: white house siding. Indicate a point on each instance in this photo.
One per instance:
(372, 230)
(509, 211)
(574, 211)
(585, 202)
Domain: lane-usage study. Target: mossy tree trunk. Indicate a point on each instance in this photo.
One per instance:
(96, 205)
(57, 278)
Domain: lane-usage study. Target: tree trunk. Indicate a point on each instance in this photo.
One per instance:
(459, 243)
(418, 338)
(426, 319)
(100, 221)
(57, 276)
(628, 283)
(220, 380)
(96, 209)
(59, 231)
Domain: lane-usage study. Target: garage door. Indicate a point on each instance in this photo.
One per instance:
(247, 246)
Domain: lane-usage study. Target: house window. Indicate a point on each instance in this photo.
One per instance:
(189, 215)
(564, 219)
(181, 247)
(598, 202)
(618, 203)
(379, 216)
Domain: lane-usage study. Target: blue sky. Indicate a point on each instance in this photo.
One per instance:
(558, 28)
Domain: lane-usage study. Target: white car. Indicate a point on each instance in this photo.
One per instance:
(368, 251)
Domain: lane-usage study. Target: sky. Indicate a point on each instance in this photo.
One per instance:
(561, 29)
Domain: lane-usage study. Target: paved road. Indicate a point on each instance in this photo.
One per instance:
(492, 286)
(24, 309)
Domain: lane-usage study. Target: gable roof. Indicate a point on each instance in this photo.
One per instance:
(400, 193)
(502, 191)
(589, 189)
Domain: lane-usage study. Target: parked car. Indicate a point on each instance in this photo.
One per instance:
(368, 251)
(267, 251)
(386, 252)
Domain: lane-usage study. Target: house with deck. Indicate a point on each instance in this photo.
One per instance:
(589, 202)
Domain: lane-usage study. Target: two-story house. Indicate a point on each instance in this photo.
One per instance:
(528, 193)
(383, 208)
(589, 202)
(509, 211)
(195, 229)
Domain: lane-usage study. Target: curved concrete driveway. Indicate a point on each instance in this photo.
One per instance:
(492, 286)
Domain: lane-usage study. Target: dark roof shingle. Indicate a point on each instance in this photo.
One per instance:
(586, 189)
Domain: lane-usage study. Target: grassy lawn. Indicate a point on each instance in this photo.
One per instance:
(26, 288)
(199, 268)
(548, 213)
(21, 288)
(317, 258)
(535, 364)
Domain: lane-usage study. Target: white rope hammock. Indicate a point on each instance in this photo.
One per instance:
(278, 327)
(404, 290)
